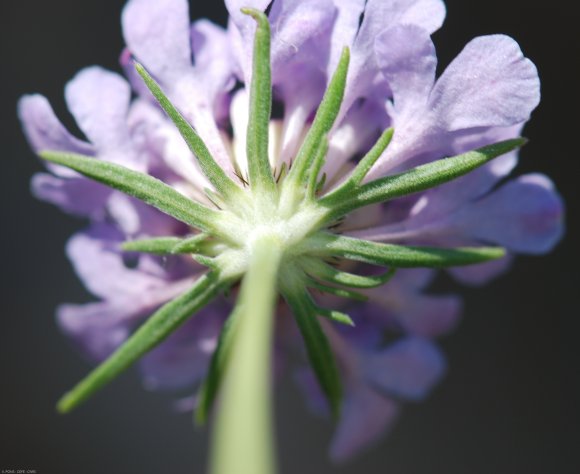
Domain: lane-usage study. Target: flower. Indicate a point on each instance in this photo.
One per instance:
(485, 96)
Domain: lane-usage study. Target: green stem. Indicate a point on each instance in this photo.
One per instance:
(243, 437)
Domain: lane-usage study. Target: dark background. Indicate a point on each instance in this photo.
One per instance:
(509, 404)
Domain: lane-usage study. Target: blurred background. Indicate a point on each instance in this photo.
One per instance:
(509, 404)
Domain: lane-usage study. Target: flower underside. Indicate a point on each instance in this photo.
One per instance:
(277, 227)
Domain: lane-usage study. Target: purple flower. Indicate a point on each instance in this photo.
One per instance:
(484, 96)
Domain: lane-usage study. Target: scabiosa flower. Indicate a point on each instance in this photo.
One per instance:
(192, 186)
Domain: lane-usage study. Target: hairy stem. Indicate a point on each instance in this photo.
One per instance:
(243, 438)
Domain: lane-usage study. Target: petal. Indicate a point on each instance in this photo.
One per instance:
(99, 101)
(78, 196)
(135, 218)
(431, 209)
(420, 314)
(183, 358)
(446, 199)
(366, 334)
(157, 34)
(124, 212)
(310, 388)
(356, 135)
(345, 28)
(169, 157)
(524, 215)
(213, 62)
(300, 34)
(408, 368)
(126, 61)
(99, 328)
(198, 92)
(193, 100)
(97, 259)
(404, 305)
(412, 279)
(43, 129)
(490, 83)
(477, 275)
(381, 15)
(298, 107)
(366, 416)
(239, 118)
(480, 181)
(406, 57)
(430, 316)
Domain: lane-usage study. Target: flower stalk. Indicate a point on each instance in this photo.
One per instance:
(243, 437)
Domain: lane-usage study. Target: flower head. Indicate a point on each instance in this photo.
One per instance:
(352, 172)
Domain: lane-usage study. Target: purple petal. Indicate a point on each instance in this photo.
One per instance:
(301, 97)
(430, 211)
(99, 101)
(380, 15)
(213, 63)
(300, 34)
(97, 259)
(345, 28)
(99, 328)
(406, 58)
(78, 196)
(366, 415)
(165, 49)
(168, 156)
(420, 314)
(366, 334)
(490, 83)
(408, 368)
(203, 93)
(403, 305)
(43, 129)
(310, 389)
(157, 34)
(412, 279)
(477, 183)
(524, 215)
(135, 218)
(189, 95)
(126, 61)
(477, 275)
(356, 134)
(183, 358)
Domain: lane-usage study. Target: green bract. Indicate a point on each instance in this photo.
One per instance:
(274, 234)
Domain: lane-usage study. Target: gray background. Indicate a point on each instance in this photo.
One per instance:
(509, 404)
